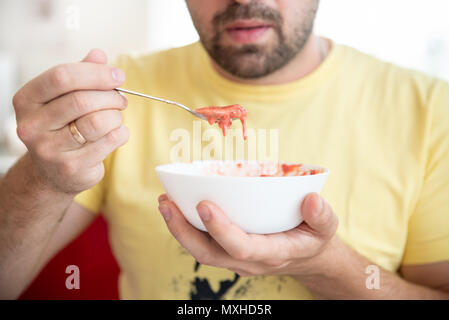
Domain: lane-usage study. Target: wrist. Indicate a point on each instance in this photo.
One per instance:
(331, 263)
(25, 181)
(39, 179)
(337, 272)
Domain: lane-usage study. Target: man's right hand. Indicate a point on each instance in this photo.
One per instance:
(82, 92)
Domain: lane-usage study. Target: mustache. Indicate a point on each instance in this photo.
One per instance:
(237, 11)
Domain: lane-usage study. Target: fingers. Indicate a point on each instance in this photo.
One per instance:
(197, 243)
(319, 216)
(251, 254)
(227, 234)
(97, 124)
(63, 110)
(95, 152)
(247, 254)
(93, 127)
(54, 118)
(96, 56)
(64, 145)
(66, 78)
(236, 242)
(81, 92)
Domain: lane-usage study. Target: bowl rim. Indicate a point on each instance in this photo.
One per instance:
(162, 169)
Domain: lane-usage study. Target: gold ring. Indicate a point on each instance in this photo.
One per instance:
(76, 134)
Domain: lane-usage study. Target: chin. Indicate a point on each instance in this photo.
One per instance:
(248, 71)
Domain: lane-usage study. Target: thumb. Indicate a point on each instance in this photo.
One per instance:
(96, 56)
(318, 215)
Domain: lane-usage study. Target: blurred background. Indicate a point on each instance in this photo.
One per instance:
(37, 34)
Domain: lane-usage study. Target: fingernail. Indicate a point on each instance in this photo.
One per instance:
(162, 197)
(118, 75)
(124, 99)
(313, 203)
(203, 212)
(165, 211)
(319, 206)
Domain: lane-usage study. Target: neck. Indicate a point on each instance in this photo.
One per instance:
(306, 61)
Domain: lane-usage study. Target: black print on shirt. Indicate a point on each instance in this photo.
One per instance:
(201, 289)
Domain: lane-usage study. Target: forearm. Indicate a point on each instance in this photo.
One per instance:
(29, 214)
(341, 274)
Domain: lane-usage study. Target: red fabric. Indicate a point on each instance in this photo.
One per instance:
(98, 269)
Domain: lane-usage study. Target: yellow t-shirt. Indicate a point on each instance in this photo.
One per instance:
(383, 131)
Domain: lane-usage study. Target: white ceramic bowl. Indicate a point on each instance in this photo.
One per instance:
(260, 205)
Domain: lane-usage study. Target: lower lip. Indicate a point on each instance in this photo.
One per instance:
(248, 35)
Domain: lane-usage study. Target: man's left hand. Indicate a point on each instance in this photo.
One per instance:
(296, 252)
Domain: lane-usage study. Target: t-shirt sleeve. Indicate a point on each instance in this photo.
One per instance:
(93, 198)
(428, 233)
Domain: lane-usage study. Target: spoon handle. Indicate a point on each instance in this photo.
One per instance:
(162, 100)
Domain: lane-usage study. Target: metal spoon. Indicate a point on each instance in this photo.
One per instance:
(196, 114)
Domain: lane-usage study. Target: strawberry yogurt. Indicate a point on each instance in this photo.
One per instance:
(224, 115)
(259, 169)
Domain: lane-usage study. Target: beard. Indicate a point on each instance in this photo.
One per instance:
(254, 61)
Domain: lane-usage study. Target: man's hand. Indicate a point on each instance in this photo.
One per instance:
(45, 106)
(293, 252)
(311, 253)
(38, 190)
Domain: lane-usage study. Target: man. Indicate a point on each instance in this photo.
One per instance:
(382, 131)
